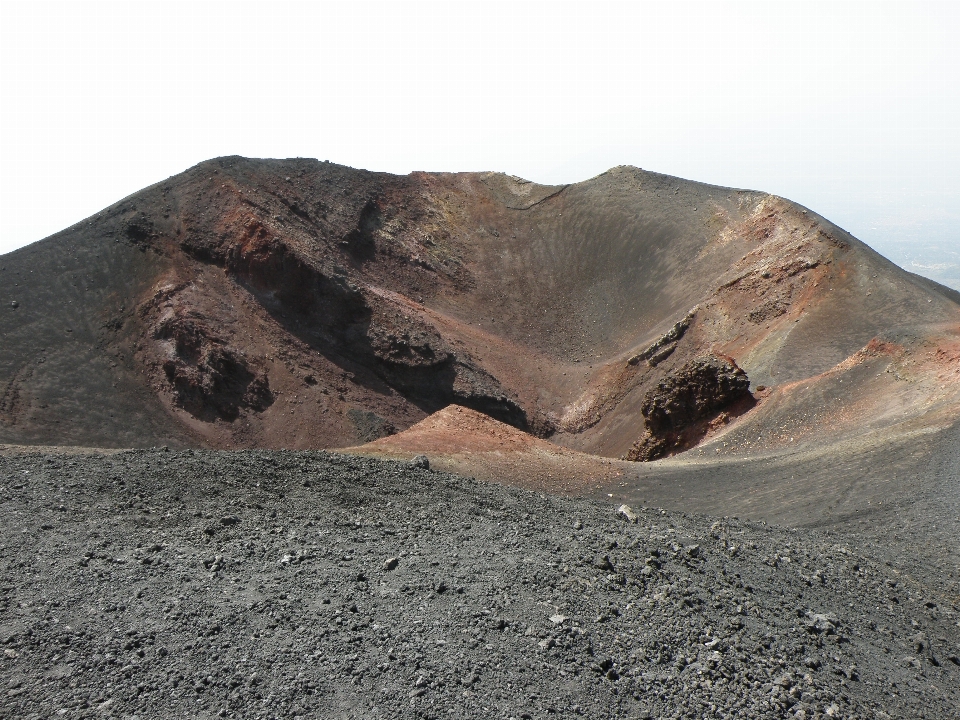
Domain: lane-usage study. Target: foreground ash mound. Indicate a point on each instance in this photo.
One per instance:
(277, 584)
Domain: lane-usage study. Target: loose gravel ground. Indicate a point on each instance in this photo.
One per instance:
(259, 584)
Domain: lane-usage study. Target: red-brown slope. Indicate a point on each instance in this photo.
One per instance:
(463, 441)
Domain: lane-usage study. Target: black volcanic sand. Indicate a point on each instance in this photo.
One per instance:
(281, 584)
(895, 496)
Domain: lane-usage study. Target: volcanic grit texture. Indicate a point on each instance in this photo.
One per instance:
(258, 584)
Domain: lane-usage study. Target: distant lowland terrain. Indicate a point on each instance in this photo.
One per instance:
(938, 261)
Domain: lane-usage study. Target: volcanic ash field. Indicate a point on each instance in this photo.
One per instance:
(278, 584)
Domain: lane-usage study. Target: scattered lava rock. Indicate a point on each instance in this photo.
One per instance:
(421, 461)
(679, 409)
(337, 586)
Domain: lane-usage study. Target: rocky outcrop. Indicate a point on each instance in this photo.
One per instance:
(322, 299)
(678, 411)
(666, 344)
(218, 385)
(207, 378)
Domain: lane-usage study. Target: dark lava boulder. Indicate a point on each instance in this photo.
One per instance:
(678, 409)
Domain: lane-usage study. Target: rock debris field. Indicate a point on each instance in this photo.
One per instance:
(272, 584)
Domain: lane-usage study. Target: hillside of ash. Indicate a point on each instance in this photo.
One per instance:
(301, 304)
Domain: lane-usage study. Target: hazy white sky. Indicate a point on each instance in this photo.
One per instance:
(851, 108)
